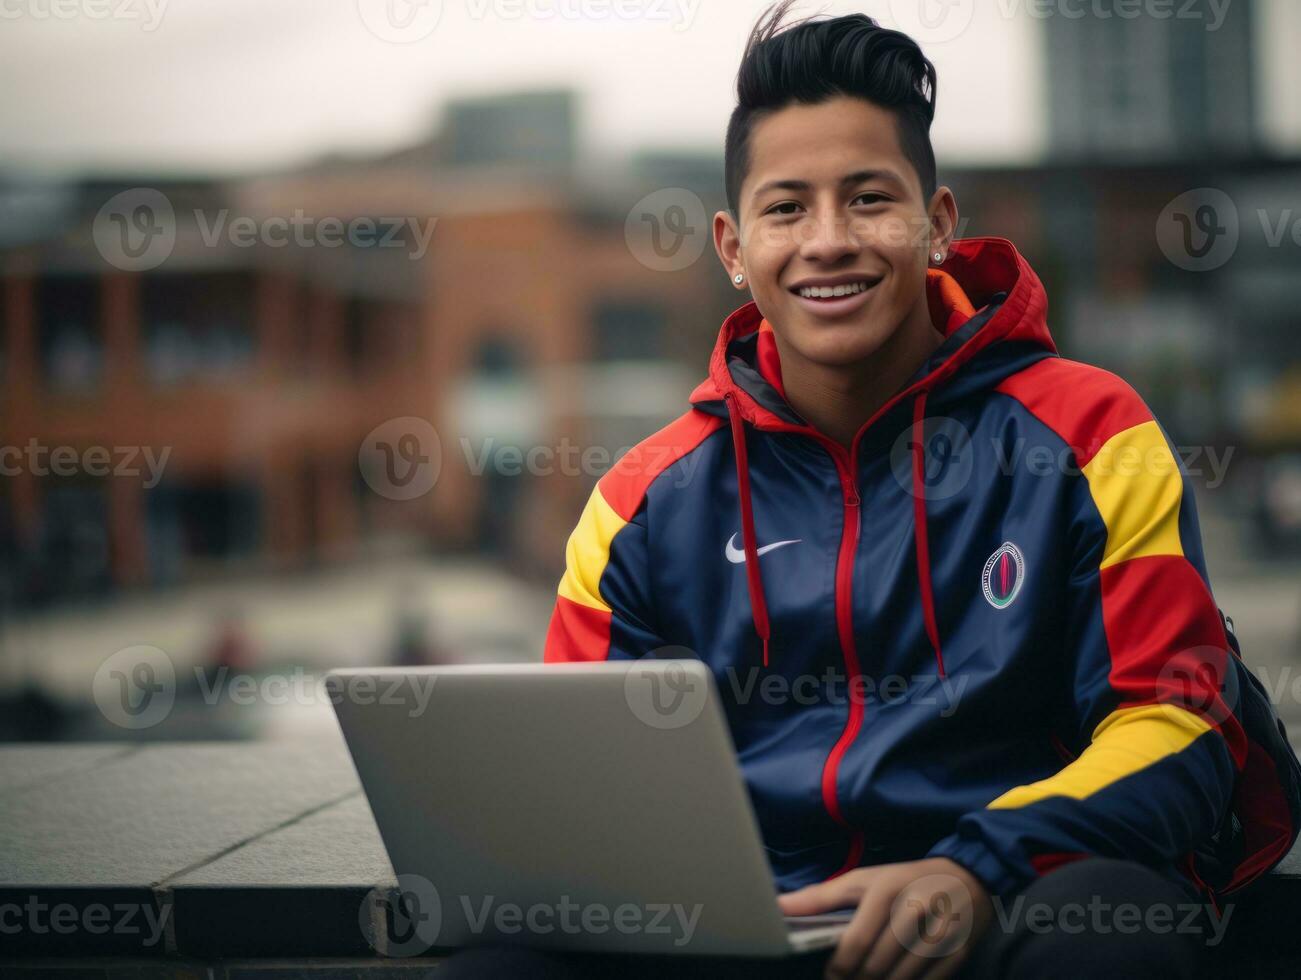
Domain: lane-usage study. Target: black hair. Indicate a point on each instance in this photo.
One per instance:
(813, 60)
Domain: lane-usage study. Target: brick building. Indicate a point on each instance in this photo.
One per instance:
(508, 310)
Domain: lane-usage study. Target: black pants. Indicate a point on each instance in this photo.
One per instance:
(1096, 917)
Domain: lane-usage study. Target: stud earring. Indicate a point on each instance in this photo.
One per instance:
(738, 278)
(939, 257)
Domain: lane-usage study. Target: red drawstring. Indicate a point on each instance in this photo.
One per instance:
(754, 577)
(917, 445)
(754, 580)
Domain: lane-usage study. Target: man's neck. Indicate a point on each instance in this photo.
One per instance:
(837, 400)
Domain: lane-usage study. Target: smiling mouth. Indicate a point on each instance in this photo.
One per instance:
(826, 293)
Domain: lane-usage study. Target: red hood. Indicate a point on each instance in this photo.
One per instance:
(985, 295)
(975, 273)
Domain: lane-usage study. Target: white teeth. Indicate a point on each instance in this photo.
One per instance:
(827, 292)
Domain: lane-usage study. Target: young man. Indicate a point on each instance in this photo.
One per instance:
(973, 564)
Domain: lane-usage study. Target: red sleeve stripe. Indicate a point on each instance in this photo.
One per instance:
(1084, 405)
(625, 485)
(1043, 863)
(577, 632)
(1167, 641)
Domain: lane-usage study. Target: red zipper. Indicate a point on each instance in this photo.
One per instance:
(846, 467)
(845, 629)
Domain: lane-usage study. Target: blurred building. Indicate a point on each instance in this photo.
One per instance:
(1167, 235)
(1129, 84)
(508, 310)
(514, 312)
(1213, 351)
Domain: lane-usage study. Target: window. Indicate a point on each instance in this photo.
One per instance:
(70, 332)
(73, 556)
(629, 331)
(196, 325)
(212, 519)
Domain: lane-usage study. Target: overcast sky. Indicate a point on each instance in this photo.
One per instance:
(242, 85)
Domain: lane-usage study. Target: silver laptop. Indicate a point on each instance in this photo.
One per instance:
(593, 807)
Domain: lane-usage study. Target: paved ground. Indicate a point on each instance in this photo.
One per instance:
(227, 859)
(295, 630)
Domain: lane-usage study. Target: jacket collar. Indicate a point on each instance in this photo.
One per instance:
(986, 294)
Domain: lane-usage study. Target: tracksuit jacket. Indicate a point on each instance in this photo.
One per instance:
(986, 627)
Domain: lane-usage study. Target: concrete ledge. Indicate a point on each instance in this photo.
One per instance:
(263, 852)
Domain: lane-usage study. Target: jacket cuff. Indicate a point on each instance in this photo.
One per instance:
(988, 867)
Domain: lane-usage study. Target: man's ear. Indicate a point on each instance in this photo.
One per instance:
(727, 243)
(943, 213)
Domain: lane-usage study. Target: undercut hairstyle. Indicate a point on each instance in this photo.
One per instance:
(813, 60)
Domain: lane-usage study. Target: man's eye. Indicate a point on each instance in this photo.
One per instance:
(871, 197)
(789, 206)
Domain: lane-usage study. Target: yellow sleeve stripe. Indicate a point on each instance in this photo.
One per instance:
(1127, 740)
(1137, 488)
(588, 552)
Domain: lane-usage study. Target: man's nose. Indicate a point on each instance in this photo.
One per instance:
(826, 236)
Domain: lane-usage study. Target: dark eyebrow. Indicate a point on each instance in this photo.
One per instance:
(857, 177)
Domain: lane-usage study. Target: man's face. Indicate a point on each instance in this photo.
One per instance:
(831, 200)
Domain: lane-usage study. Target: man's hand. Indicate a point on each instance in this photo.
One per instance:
(914, 919)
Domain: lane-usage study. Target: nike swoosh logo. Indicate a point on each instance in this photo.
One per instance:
(737, 555)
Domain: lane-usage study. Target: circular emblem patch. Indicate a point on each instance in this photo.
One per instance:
(1004, 572)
